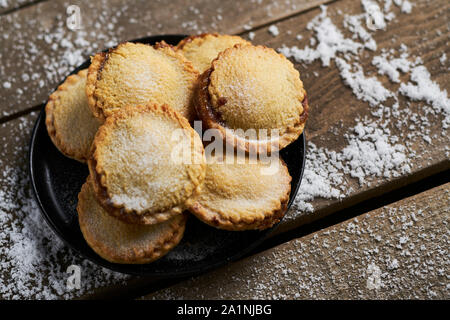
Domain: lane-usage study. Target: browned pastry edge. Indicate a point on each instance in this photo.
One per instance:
(50, 119)
(97, 172)
(189, 39)
(163, 44)
(212, 119)
(270, 217)
(100, 59)
(187, 66)
(94, 71)
(120, 213)
(157, 250)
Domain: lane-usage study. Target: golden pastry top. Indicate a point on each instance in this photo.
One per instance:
(135, 73)
(135, 160)
(201, 50)
(70, 123)
(241, 194)
(254, 87)
(121, 242)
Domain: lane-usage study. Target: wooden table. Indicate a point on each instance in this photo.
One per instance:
(384, 237)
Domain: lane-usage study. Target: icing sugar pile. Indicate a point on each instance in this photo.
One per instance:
(273, 30)
(372, 150)
(426, 90)
(391, 67)
(366, 89)
(330, 41)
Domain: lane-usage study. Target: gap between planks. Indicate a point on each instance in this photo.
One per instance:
(287, 17)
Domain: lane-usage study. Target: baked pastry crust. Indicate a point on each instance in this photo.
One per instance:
(237, 196)
(70, 123)
(135, 74)
(136, 175)
(202, 49)
(253, 87)
(120, 242)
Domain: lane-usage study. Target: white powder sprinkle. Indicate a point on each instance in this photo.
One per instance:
(371, 154)
(372, 149)
(368, 154)
(374, 14)
(354, 25)
(32, 258)
(320, 178)
(330, 41)
(443, 58)
(391, 67)
(273, 30)
(406, 6)
(365, 88)
(427, 90)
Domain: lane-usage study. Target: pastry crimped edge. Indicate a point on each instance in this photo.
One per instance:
(99, 60)
(191, 38)
(96, 171)
(212, 121)
(157, 251)
(50, 120)
(271, 217)
(96, 65)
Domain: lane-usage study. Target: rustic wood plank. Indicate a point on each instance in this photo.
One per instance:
(335, 109)
(326, 128)
(396, 252)
(38, 49)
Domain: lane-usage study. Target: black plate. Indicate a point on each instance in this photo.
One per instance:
(57, 180)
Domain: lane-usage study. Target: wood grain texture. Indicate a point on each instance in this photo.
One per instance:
(39, 50)
(396, 252)
(334, 109)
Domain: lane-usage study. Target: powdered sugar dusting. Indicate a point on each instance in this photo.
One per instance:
(330, 42)
(427, 90)
(392, 67)
(372, 151)
(368, 89)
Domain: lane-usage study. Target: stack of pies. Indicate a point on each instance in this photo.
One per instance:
(130, 117)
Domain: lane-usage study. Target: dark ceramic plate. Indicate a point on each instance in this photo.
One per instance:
(57, 180)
